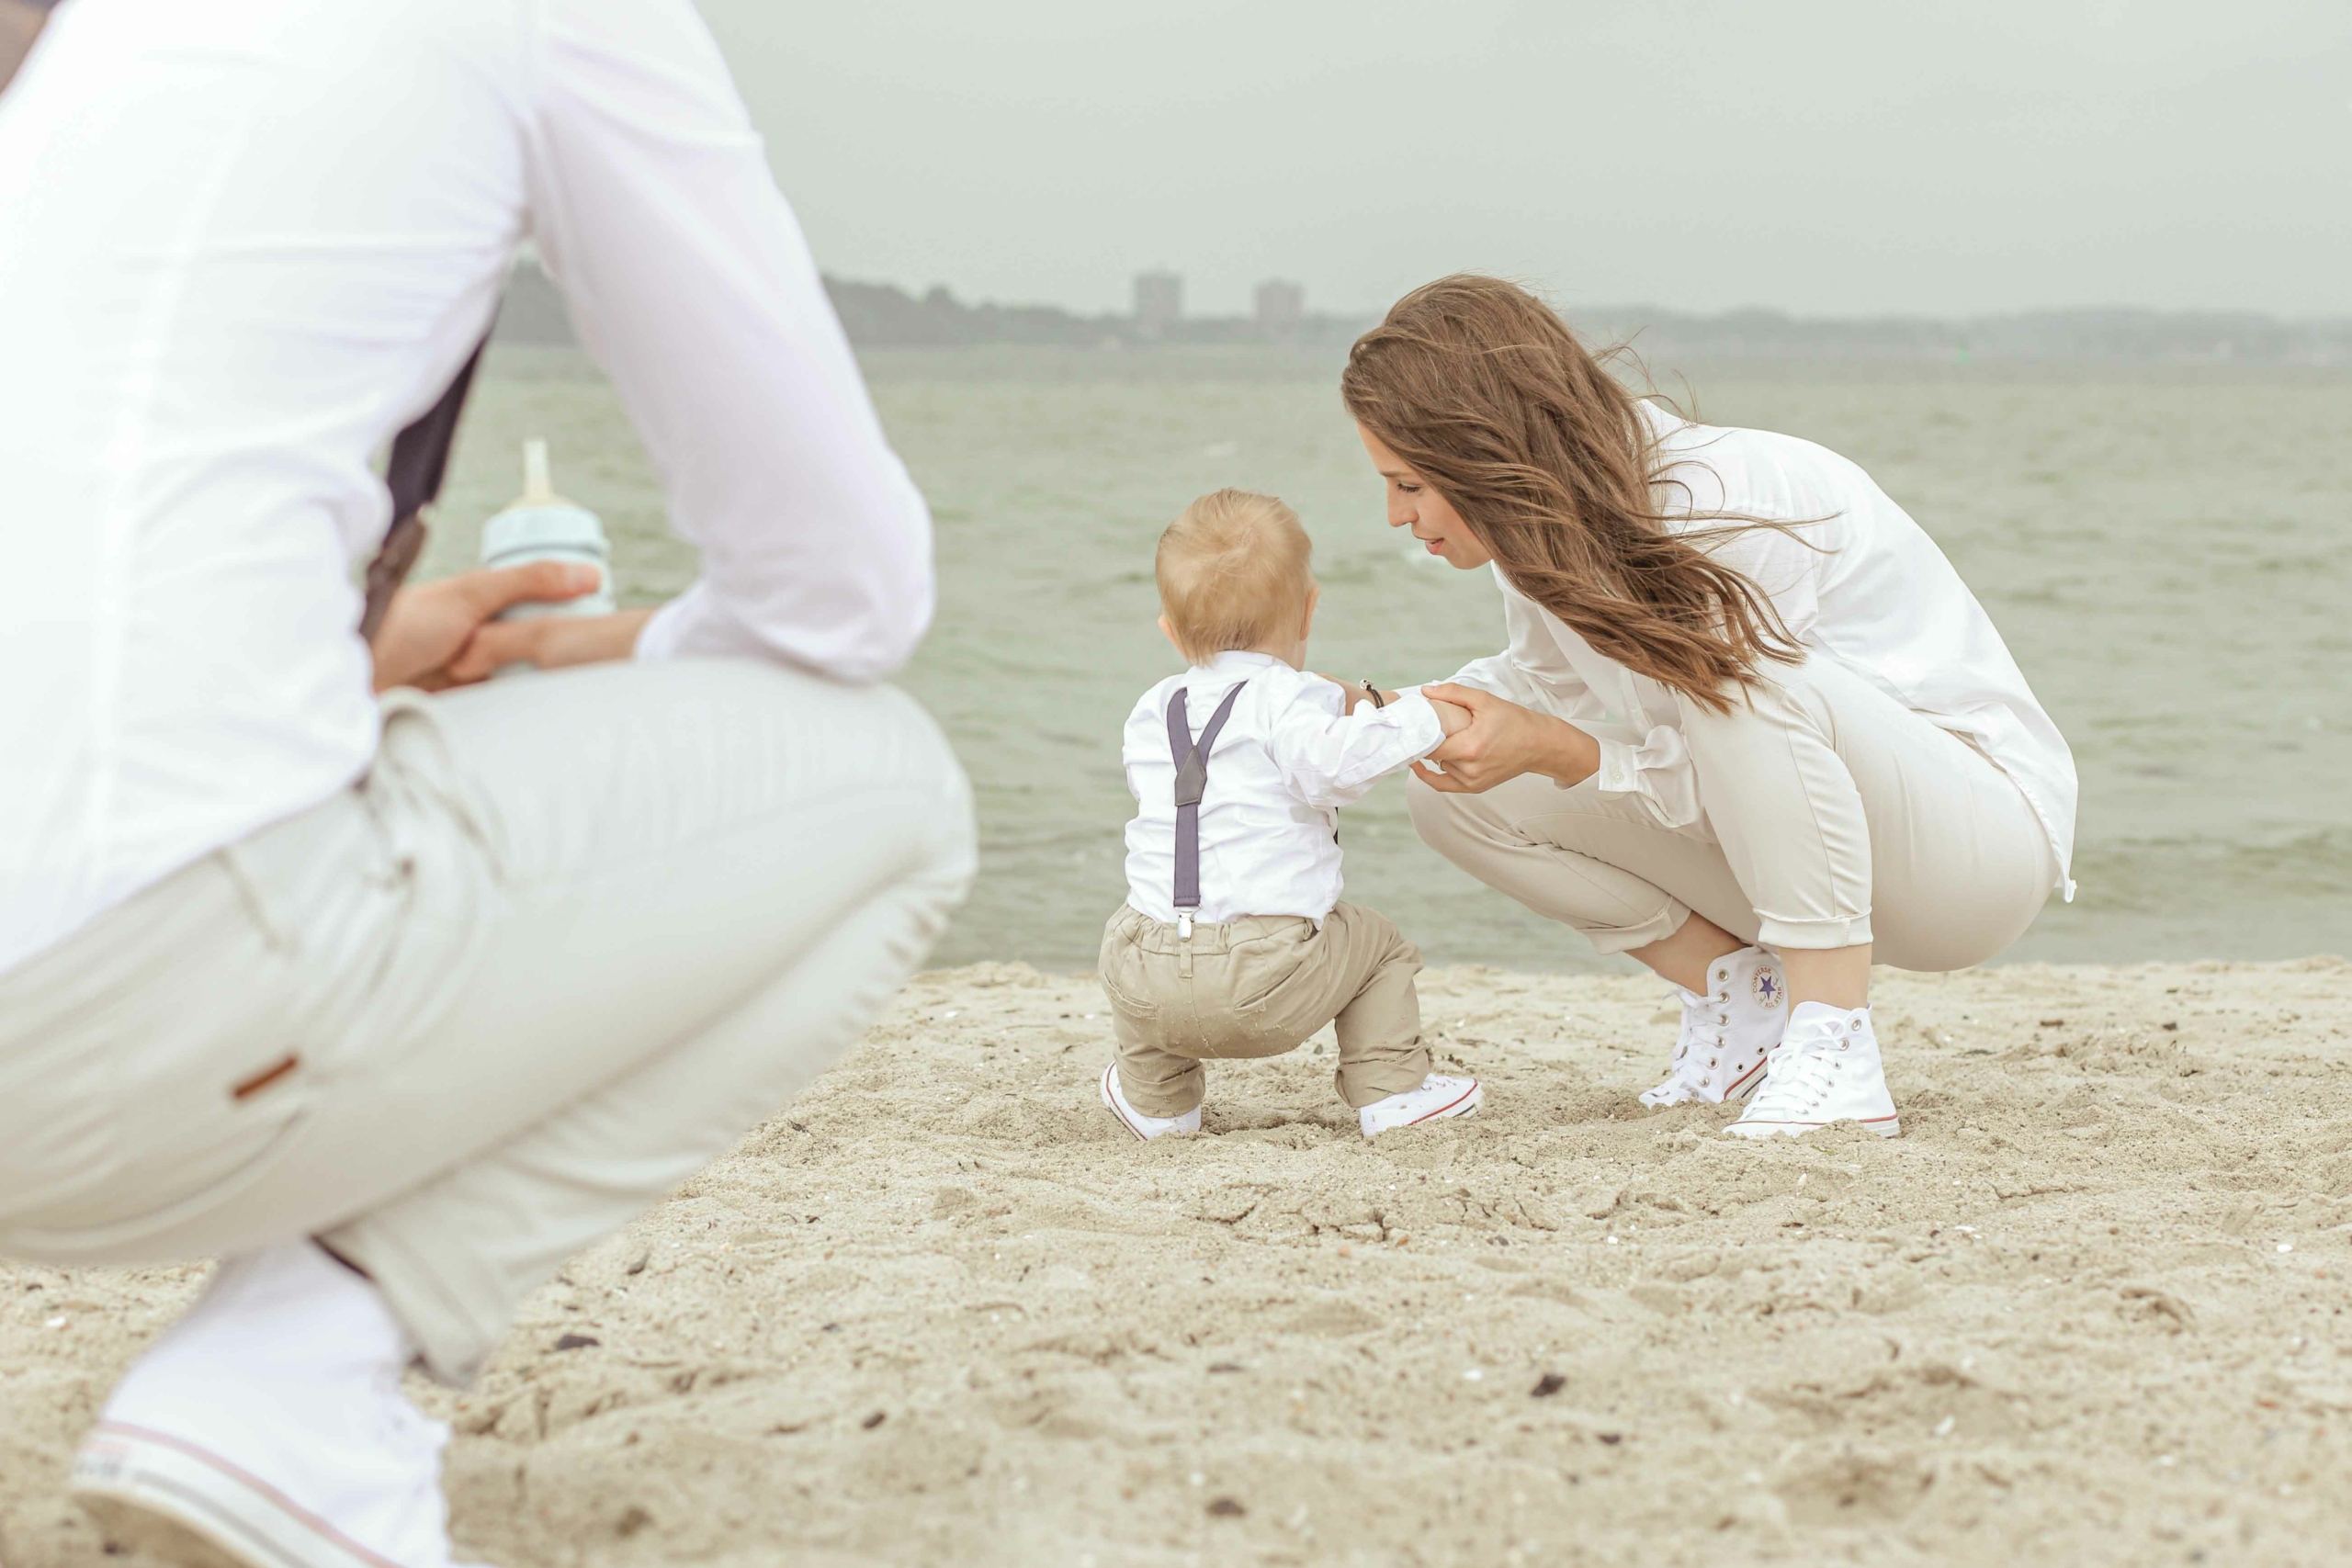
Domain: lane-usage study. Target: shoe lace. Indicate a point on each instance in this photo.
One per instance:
(1797, 1077)
(1699, 1048)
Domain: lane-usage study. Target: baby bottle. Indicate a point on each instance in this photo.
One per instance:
(541, 525)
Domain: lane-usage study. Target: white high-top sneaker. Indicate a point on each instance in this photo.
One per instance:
(1827, 1069)
(1727, 1033)
(1438, 1097)
(1114, 1100)
(266, 1429)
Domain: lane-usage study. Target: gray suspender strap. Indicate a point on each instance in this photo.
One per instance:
(1192, 781)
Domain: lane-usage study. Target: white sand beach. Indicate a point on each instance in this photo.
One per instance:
(2088, 1309)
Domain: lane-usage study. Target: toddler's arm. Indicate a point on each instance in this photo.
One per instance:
(1454, 718)
(1329, 757)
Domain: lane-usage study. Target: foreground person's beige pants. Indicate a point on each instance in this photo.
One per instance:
(1260, 986)
(1838, 817)
(574, 935)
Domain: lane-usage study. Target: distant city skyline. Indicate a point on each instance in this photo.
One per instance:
(1823, 157)
(1157, 298)
(880, 315)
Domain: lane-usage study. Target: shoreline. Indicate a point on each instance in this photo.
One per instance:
(2087, 1308)
(1664, 361)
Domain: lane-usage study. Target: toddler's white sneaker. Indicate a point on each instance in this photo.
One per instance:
(1114, 1100)
(1438, 1097)
(1826, 1069)
(1726, 1034)
(266, 1428)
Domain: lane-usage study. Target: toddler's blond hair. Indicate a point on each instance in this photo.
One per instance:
(1233, 572)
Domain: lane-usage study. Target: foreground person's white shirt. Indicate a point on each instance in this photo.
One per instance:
(1290, 755)
(238, 249)
(1866, 587)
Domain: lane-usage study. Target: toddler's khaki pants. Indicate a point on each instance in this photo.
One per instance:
(1258, 986)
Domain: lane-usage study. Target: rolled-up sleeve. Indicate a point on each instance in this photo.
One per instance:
(1656, 771)
(689, 281)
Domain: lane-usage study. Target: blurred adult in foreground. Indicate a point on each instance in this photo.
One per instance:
(394, 1003)
(20, 24)
(1752, 728)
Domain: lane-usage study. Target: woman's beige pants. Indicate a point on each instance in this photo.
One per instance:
(1838, 817)
(571, 938)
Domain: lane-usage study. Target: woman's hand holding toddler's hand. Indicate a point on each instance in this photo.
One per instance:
(1501, 741)
(1452, 718)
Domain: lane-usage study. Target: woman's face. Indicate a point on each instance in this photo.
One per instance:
(1412, 504)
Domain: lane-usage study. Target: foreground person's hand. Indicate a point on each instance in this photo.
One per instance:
(428, 624)
(549, 642)
(1503, 741)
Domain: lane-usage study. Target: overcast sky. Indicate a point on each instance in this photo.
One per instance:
(1822, 156)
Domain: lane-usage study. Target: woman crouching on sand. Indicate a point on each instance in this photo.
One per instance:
(1751, 728)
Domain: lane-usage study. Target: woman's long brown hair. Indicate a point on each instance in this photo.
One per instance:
(1485, 392)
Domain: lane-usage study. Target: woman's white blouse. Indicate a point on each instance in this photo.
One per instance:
(1865, 586)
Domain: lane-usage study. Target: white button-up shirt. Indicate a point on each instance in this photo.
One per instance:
(1288, 757)
(240, 248)
(1866, 587)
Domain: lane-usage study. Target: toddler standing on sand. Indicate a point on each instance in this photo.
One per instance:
(1233, 942)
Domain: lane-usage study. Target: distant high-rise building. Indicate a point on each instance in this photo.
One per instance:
(1280, 308)
(1159, 302)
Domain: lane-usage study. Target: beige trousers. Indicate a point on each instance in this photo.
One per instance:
(570, 939)
(1258, 986)
(1838, 817)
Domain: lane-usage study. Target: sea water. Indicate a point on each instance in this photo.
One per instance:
(2168, 551)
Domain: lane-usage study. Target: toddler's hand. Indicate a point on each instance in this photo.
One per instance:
(1452, 718)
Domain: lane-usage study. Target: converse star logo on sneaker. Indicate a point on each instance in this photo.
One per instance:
(1719, 1055)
